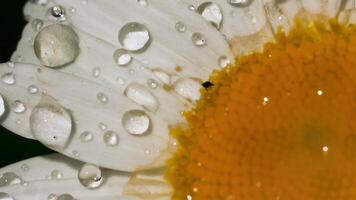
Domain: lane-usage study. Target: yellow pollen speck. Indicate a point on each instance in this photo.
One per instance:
(276, 125)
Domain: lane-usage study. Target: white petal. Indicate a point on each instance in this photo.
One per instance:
(329, 8)
(39, 178)
(2, 106)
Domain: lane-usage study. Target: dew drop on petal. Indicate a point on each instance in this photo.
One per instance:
(56, 174)
(188, 88)
(102, 98)
(56, 45)
(122, 57)
(37, 24)
(152, 83)
(32, 89)
(240, 3)
(96, 72)
(90, 176)
(111, 138)
(56, 12)
(134, 36)
(5, 196)
(102, 126)
(143, 3)
(8, 78)
(9, 178)
(50, 123)
(198, 39)
(65, 197)
(142, 96)
(136, 122)
(180, 27)
(2, 106)
(164, 77)
(86, 137)
(211, 12)
(18, 107)
(223, 61)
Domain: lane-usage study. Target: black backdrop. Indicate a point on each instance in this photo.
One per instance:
(13, 148)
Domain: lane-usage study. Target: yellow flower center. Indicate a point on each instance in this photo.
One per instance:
(276, 125)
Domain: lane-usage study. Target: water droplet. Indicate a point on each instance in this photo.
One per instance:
(223, 61)
(52, 197)
(212, 13)
(65, 197)
(102, 126)
(152, 83)
(198, 39)
(86, 137)
(56, 12)
(76, 153)
(240, 3)
(180, 27)
(136, 122)
(90, 176)
(164, 77)
(142, 96)
(134, 36)
(2, 106)
(9, 178)
(96, 72)
(37, 24)
(50, 123)
(5, 196)
(102, 97)
(11, 64)
(56, 174)
(188, 88)
(122, 57)
(18, 107)
(143, 3)
(111, 138)
(56, 45)
(32, 89)
(191, 7)
(25, 167)
(8, 78)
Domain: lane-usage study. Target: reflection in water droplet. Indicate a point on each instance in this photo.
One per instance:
(111, 138)
(9, 178)
(134, 36)
(142, 96)
(191, 7)
(223, 61)
(212, 13)
(5, 196)
(56, 12)
(180, 27)
(188, 88)
(18, 107)
(240, 3)
(8, 78)
(32, 89)
(102, 97)
(86, 137)
(164, 77)
(37, 24)
(136, 122)
(50, 123)
(122, 57)
(198, 39)
(56, 45)
(90, 176)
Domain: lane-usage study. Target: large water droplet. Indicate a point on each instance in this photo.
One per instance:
(65, 197)
(212, 13)
(57, 45)
(240, 3)
(90, 176)
(8, 78)
(142, 96)
(198, 39)
(18, 107)
(122, 57)
(37, 24)
(5, 196)
(86, 137)
(9, 178)
(136, 122)
(2, 106)
(111, 138)
(134, 36)
(50, 123)
(180, 27)
(188, 88)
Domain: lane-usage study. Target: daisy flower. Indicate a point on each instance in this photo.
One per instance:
(180, 99)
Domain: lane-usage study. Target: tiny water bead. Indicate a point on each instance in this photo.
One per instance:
(278, 126)
(180, 27)
(90, 176)
(111, 138)
(122, 57)
(136, 122)
(8, 78)
(32, 89)
(56, 12)
(134, 36)
(56, 174)
(142, 96)
(86, 137)
(18, 107)
(198, 39)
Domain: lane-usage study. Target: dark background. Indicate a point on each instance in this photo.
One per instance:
(14, 148)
